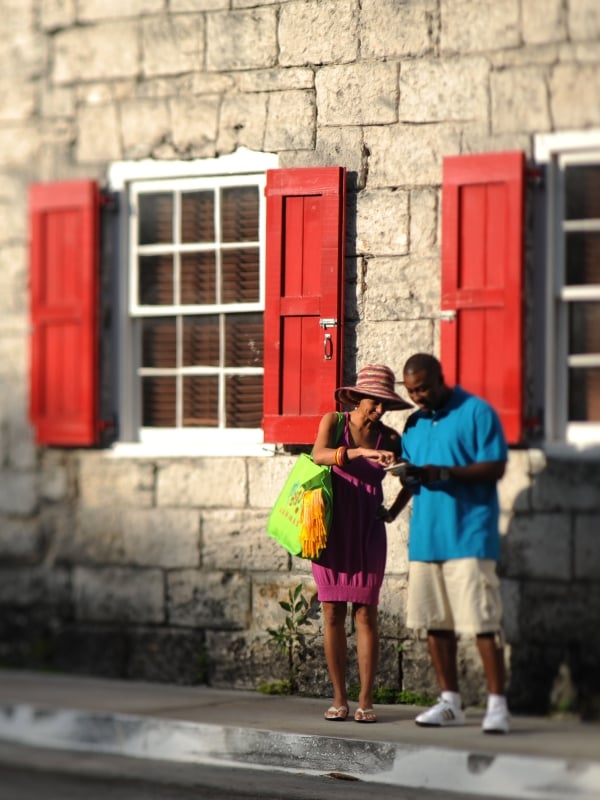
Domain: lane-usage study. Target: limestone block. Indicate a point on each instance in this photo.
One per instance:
(391, 343)
(571, 80)
(465, 29)
(172, 44)
(266, 477)
(560, 611)
(194, 122)
(409, 155)
(119, 594)
(241, 40)
(395, 30)
(567, 486)
(514, 489)
(108, 50)
(18, 99)
(19, 144)
(587, 546)
(93, 10)
(98, 138)
(241, 661)
(57, 101)
(104, 93)
(12, 205)
(510, 591)
(336, 146)
(537, 547)
(18, 492)
(520, 101)
(202, 483)
(318, 33)
(137, 537)
(382, 223)
(285, 106)
(218, 600)
(392, 606)
(145, 124)
(13, 279)
(397, 534)
(402, 288)
(199, 5)
(357, 94)
(54, 476)
(441, 91)
(275, 80)
(424, 212)
(21, 540)
(109, 482)
(242, 122)
(56, 14)
(543, 21)
(22, 451)
(584, 20)
(235, 540)
(31, 586)
(267, 594)
(475, 140)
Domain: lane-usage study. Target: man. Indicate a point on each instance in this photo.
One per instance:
(456, 444)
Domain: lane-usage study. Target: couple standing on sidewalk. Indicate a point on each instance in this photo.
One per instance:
(455, 453)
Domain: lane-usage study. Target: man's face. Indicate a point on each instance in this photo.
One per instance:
(425, 389)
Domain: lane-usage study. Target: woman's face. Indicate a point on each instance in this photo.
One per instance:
(373, 408)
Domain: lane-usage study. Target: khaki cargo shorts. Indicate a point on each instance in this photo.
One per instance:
(462, 594)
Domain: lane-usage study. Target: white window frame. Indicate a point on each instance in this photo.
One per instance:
(243, 165)
(561, 436)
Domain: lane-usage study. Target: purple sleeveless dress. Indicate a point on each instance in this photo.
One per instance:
(352, 566)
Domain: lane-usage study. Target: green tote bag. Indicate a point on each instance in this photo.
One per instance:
(301, 516)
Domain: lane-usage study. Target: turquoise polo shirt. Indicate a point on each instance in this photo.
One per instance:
(454, 519)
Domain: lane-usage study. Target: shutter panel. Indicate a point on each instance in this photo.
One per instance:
(304, 290)
(64, 224)
(482, 280)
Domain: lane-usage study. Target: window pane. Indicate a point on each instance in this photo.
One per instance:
(201, 341)
(200, 402)
(244, 340)
(584, 395)
(243, 401)
(155, 275)
(197, 217)
(158, 402)
(155, 221)
(583, 259)
(198, 279)
(159, 343)
(240, 214)
(240, 276)
(584, 328)
(582, 185)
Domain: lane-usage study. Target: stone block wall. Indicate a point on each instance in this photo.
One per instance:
(160, 568)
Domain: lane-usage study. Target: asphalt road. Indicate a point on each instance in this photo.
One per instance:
(36, 774)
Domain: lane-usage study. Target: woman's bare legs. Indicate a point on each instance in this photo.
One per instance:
(367, 650)
(336, 649)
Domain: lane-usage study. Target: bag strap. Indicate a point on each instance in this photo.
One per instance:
(341, 421)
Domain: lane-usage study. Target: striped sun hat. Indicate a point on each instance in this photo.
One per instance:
(374, 380)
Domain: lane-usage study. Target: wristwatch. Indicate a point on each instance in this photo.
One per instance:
(444, 474)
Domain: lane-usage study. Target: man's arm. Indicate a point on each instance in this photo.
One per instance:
(479, 472)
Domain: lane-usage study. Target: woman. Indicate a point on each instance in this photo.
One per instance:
(351, 568)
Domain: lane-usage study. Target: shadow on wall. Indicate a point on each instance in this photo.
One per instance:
(550, 570)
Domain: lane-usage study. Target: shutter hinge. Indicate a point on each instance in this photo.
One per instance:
(448, 316)
(328, 323)
(109, 201)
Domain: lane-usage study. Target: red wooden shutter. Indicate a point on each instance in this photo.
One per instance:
(64, 222)
(482, 275)
(304, 299)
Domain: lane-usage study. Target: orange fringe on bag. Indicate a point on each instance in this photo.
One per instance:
(313, 531)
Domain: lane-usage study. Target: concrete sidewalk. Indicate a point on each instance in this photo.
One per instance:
(542, 758)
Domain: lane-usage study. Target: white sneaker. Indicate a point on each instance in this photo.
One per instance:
(496, 721)
(440, 715)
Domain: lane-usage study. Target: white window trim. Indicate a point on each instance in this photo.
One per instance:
(563, 438)
(188, 442)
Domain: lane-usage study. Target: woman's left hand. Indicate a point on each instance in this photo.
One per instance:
(383, 457)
